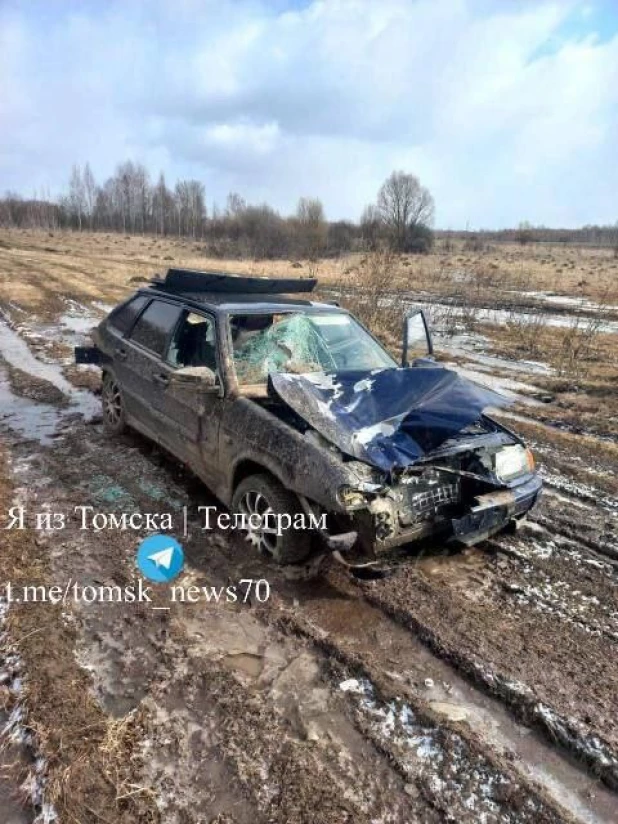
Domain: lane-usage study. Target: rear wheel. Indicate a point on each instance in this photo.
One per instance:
(114, 419)
(259, 499)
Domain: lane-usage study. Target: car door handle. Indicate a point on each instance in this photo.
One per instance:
(160, 379)
(121, 353)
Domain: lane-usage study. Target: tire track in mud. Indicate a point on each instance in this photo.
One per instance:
(595, 529)
(246, 748)
(108, 471)
(556, 577)
(393, 721)
(462, 770)
(551, 678)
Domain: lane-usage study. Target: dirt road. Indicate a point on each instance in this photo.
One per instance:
(475, 685)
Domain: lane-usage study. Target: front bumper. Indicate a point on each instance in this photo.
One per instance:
(495, 510)
(390, 522)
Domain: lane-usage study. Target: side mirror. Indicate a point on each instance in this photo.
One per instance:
(201, 377)
(416, 338)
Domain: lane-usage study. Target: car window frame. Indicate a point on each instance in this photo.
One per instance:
(117, 309)
(189, 310)
(141, 346)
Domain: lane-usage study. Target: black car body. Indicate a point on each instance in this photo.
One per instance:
(279, 403)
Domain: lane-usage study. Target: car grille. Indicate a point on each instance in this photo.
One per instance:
(425, 499)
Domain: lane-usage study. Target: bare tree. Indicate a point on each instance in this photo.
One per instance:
(77, 194)
(371, 227)
(311, 226)
(235, 204)
(123, 194)
(182, 201)
(90, 193)
(141, 195)
(104, 207)
(197, 207)
(403, 204)
(162, 206)
(524, 233)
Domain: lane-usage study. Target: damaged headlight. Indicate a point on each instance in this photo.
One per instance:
(512, 461)
(351, 498)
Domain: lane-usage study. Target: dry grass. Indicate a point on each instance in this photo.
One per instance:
(36, 267)
(89, 755)
(371, 302)
(585, 388)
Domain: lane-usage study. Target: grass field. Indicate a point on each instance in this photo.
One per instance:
(100, 266)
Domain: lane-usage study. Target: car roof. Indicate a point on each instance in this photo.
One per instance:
(225, 303)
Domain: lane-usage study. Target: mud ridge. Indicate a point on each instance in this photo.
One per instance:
(604, 548)
(579, 491)
(566, 732)
(401, 709)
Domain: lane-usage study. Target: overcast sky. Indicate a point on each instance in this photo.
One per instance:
(507, 110)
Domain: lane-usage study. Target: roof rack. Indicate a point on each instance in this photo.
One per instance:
(192, 280)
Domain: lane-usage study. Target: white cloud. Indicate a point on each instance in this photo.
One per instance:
(324, 99)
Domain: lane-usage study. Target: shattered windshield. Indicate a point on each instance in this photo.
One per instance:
(300, 343)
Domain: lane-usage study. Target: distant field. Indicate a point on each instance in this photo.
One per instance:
(35, 266)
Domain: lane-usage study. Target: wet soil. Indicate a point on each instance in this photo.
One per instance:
(461, 688)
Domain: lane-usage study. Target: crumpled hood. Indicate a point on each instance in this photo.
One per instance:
(388, 418)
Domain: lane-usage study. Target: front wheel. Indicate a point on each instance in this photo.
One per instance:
(260, 498)
(114, 418)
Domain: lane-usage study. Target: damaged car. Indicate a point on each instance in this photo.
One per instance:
(283, 405)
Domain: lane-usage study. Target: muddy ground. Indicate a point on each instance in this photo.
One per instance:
(474, 685)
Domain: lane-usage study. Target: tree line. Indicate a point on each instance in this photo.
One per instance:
(130, 202)
(525, 233)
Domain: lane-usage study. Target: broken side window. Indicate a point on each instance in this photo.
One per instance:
(193, 342)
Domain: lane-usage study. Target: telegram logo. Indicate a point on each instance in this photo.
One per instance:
(160, 558)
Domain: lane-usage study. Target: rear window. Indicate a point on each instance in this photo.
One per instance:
(124, 316)
(153, 328)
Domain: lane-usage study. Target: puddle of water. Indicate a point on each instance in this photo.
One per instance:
(247, 663)
(16, 352)
(438, 310)
(571, 301)
(33, 421)
(500, 317)
(472, 348)
(585, 797)
(79, 320)
(78, 324)
(462, 780)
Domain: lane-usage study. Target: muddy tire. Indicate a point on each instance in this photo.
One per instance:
(114, 417)
(259, 494)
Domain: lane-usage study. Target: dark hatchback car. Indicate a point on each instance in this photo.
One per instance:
(284, 405)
